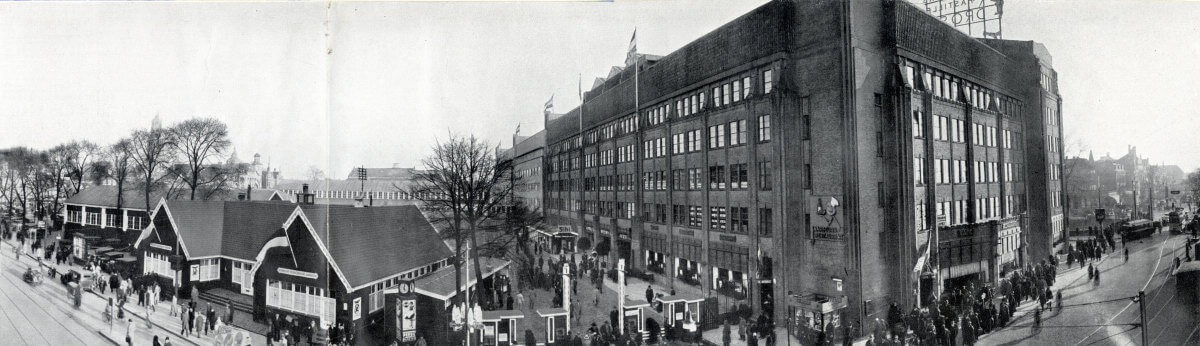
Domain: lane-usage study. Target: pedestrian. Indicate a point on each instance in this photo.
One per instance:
(129, 333)
(156, 343)
(168, 341)
(146, 315)
(200, 324)
(174, 305)
(1126, 254)
(183, 321)
(191, 315)
(211, 317)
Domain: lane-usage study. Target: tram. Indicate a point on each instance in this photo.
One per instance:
(1137, 229)
(1175, 222)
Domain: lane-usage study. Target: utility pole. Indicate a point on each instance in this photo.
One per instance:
(1142, 311)
(1151, 201)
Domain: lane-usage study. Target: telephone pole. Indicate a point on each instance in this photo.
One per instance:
(1142, 311)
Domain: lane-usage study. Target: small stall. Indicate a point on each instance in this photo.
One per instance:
(679, 307)
(557, 325)
(811, 314)
(80, 246)
(500, 327)
(634, 315)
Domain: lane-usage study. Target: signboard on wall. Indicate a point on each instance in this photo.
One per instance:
(980, 18)
(356, 310)
(195, 272)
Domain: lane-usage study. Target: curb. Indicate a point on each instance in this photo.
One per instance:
(109, 338)
(168, 330)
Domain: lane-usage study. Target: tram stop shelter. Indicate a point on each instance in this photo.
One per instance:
(500, 327)
(557, 325)
(678, 308)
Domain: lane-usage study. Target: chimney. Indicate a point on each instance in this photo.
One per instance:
(305, 197)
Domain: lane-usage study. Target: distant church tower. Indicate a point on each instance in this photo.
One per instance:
(156, 124)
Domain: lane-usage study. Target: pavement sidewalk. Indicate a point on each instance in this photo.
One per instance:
(160, 319)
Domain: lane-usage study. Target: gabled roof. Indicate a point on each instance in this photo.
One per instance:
(199, 225)
(106, 196)
(374, 243)
(248, 225)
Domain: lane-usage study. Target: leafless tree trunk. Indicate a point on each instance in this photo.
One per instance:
(151, 150)
(86, 153)
(198, 141)
(461, 187)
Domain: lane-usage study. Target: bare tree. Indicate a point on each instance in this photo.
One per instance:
(60, 166)
(463, 185)
(314, 174)
(85, 153)
(114, 163)
(24, 166)
(198, 141)
(150, 151)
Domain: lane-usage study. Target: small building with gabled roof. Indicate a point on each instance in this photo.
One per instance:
(313, 262)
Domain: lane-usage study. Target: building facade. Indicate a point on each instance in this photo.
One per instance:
(326, 264)
(802, 156)
(526, 154)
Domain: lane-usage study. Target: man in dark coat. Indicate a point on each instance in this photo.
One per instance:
(649, 294)
(192, 320)
(211, 318)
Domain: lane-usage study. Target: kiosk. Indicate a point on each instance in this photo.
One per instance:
(500, 327)
(557, 325)
(634, 317)
(677, 307)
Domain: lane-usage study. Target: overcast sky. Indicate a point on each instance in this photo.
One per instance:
(375, 83)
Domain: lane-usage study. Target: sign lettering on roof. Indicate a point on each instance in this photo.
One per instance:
(979, 18)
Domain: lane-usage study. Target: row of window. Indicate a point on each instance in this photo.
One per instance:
(685, 142)
(952, 88)
(946, 171)
(377, 290)
(735, 176)
(729, 92)
(348, 194)
(113, 220)
(985, 209)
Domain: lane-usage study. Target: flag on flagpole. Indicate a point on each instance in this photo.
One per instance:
(632, 55)
(550, 104)
(279, 239)
(633, 42)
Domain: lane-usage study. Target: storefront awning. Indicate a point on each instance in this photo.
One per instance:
(496, 315)
(440, 284)
(631, 303)
(548, 312)
(818, 302)
(683, 297)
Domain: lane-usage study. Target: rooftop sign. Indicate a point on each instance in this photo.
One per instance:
(980, 18)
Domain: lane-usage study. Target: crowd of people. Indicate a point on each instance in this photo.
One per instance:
(973, 310)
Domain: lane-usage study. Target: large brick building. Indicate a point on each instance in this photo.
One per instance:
(828, 138)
